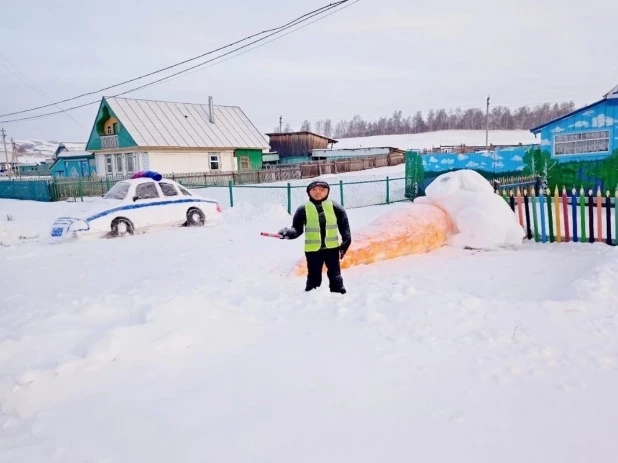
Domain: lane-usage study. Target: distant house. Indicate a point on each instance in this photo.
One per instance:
(320, 154)
(133, 135)
(589, 133)
(34, 169)
(294, 147)
(73, 164)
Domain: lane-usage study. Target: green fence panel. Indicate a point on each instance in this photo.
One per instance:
(414, 174)
(33, 190)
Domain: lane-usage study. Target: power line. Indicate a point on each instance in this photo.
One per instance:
(306, 17)
(289, 24)
(260, 45)
(24, 78)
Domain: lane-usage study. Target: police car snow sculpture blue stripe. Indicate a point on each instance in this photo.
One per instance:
(144, 202)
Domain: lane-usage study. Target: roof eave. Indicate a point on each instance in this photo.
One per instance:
(535, 130)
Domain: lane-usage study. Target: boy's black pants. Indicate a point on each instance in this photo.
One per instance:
(315, 263)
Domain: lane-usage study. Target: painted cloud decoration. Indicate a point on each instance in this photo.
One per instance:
(602, 121)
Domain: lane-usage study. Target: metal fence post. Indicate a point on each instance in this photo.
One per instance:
(341, 192)
(289, 189)
(230, 185)
(388, 192)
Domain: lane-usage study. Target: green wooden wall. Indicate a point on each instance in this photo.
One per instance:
(125, 140)
(254, 155)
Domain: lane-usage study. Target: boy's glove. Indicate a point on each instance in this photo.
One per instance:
(342, 253)
(287, 233)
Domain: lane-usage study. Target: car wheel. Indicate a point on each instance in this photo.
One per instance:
(195, 218)
(122, 227)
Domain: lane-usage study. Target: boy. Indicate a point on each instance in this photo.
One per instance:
(321, 218)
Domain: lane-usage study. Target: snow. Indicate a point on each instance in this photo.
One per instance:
(482, 219)
(430, 140)
(362, 188)
(196, 345)
(46, 149)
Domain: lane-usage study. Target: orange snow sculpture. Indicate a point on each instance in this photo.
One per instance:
(412, 229)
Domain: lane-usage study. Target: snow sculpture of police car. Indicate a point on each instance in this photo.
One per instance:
(145, 201)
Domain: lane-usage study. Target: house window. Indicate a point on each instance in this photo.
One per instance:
(109, 130)
(215, 161)
(115, 128)
(244, 163)
(582, 143)
(146, 191)
(168, 189)
(119, 167)
(109, 165)
(130, 162)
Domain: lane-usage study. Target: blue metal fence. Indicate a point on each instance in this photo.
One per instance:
(34, 190)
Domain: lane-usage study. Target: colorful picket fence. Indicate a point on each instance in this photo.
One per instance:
(579, 217)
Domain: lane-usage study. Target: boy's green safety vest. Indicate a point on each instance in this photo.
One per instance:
(313, 238)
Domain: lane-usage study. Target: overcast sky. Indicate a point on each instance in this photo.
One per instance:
(370, 59)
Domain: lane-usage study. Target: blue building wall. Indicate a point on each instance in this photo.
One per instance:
(501, 161)
(74, 167)
(599, 117)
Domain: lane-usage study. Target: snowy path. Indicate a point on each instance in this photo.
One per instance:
(196, 345)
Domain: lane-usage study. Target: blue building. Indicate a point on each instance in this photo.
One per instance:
(589, 133)
(74, 164)
(581, 148)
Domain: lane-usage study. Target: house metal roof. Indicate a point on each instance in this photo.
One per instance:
(304, 132)
(74, 154)
(186, 125)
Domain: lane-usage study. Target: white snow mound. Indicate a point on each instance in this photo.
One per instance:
(482, 219)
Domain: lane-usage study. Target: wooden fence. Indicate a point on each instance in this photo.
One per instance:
(64, 188)
(583, 217)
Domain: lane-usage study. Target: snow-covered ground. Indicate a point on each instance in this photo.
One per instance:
(443, 137)
(362, 188)
(193, 345)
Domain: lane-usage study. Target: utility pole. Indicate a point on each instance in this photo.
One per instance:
(14, 158)
(487, 143)
(280, 124)
(487, 126)
(6, 155)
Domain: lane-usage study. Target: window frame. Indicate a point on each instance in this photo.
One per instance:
(214, 158)
(244, 159)
(129, 157)
(586, 143)
(119, 162)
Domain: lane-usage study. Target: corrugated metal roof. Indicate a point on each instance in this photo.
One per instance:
(186, 125)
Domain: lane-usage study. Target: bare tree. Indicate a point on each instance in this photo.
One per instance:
(328, 128)
(319, 127)
(306, 126)
(501, 118)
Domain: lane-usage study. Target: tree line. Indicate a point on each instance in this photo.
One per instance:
(500, 118)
